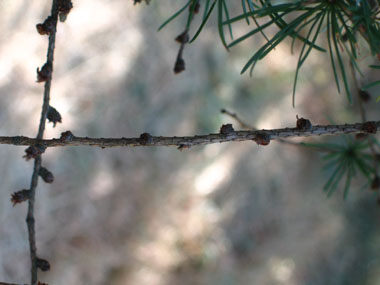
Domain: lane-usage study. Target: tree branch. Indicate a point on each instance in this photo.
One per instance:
(188, 141)
(37, 162)
(4, 283)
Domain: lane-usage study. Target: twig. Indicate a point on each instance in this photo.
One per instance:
(37, 162)
(183, 38)
(243, 124)
(148, 140)
(4, 283)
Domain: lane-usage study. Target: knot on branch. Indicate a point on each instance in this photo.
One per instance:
(34, 151)
(262, 139)
(370, 127)
(53, 116)
(226, 129)
(66, 136)
(45, 73)
(47, 27)
(145, 139)
(303, 124)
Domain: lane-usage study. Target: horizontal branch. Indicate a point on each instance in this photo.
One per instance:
(3, 283)
(226, 135)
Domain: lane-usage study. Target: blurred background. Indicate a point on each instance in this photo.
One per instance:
(232, 213)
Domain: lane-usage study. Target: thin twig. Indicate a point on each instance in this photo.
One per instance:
(188, 141)
(242, 124)
(37, 162)
(4, 283)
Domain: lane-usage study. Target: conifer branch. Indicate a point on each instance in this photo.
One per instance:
(189, 141)
(48, 27)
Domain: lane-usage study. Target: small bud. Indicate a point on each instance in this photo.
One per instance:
(303, 124)
(46, 175)
(54, 116)
(45, 73)
(183, 147)
(226, 129)
(47, 27)
(66, 136)
(364, 95)
(145, 138)
(370, 127)
(34, 151)
(20, 196)
(183, 38)
(262, 139)
(43, 264)
(375, 184)
(179, 65)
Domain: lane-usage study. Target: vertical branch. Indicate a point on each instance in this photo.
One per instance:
(37, 162)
